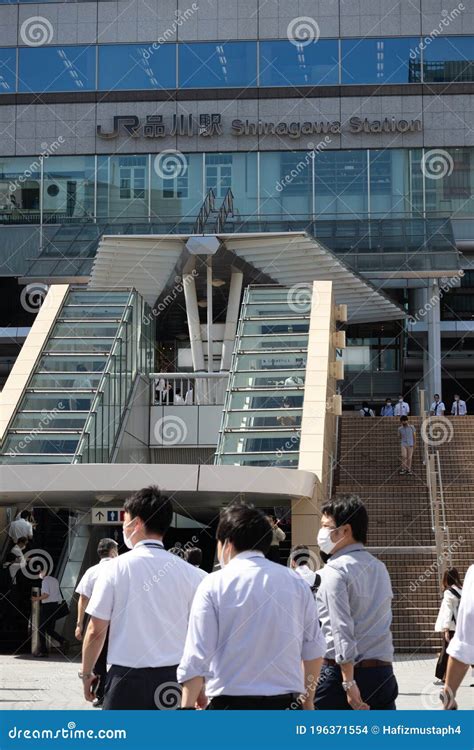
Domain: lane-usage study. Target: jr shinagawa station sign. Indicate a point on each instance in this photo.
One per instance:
(210, 124)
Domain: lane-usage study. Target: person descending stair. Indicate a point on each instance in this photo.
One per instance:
(407, 446)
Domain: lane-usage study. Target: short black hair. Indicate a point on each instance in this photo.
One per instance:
(22, 540)
(153, 508)
(388, 398)
(25, 514)
(300, 554)
(193, 555)
(404, 418)
(436, 394)
(246, 527)
(349, 509)
(364, 403)
(105, 546)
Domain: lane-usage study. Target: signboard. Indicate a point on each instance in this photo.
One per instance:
(107, 516)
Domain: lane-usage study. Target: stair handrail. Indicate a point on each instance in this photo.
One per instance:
(208, 205)
(226, 209)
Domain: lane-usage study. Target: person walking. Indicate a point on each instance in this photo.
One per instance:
(299, 557)
(193, 555)
(407, 434)
(278, 535)
(50, 598)
(253, 640)
(366, 411)
(461, 646)
(446, 620)
(144, 597)
(459, 408)
(401, 408)
(355, 609)
(437, 408)
(107, 550)
(387, 409)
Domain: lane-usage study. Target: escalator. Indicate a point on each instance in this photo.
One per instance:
(264, 402)
(77, 391)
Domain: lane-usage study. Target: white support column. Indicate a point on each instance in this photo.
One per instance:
(192, 314)
(210, 316)
(434, 340)
(232, 317)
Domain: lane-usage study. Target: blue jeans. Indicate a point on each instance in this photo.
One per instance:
(378, 687)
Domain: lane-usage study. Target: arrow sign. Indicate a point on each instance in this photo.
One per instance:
(111, 517)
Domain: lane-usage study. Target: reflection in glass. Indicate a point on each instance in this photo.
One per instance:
(378, 60)
(285, 63)
(217, 64)
(44, 69)
(137, 66)
(449, 58)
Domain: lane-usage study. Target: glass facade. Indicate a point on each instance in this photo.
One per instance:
(352, 184)
(225, 64)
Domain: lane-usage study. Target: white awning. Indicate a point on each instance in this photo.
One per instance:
(146, 262)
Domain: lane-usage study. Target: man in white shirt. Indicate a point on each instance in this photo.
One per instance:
(107, 550)
(144, 597)
(459, 408)
(401, 408)
(193, 555)
(50, 598)
(437, 408)
(461, 645)
(21, 527)
(253, 640)
(299, 558)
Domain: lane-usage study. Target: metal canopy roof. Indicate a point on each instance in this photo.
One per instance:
(147, 262)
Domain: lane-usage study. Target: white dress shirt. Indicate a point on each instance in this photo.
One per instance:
(401, 409)
(50, 586)
(461, 645)
(448, 611)
(86, 585)
(146, 594)
(437, 407)
(19, 528)
(305, 572)
(251, 625)
(459, 408)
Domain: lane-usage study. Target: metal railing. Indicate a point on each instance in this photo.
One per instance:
(226, 209)
(434, 482)
(206, 208)
(188, 389)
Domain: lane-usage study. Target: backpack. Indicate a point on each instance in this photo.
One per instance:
(366, 412)
(457, 595)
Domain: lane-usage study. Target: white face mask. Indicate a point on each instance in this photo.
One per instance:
(222, 561)
(127, 539)
(400, 401)
(325, 542)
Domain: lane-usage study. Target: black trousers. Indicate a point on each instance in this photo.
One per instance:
(47, 625)
(147, 689)
(378, 687)
(442, 663)
(100, 667)
(255, 702)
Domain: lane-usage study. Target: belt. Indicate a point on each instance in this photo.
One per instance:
(365, 663)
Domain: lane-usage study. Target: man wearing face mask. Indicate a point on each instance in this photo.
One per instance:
(254, 640)
(144, 597)
(354, 607)
(401, 408)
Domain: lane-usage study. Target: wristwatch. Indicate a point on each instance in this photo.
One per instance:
(347, 685)
(85, 675)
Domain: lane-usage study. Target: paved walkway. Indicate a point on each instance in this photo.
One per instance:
(28, 683)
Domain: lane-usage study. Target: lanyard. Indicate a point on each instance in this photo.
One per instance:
(157, 545)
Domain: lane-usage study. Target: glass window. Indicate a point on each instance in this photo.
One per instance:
(217, 64)
(68, 187)
(453, 193)
(379, 60)
(20, 181)
(341, 183)
(283, 63)
(137, 66)
(122, 186)
(176, 185)
(7, 70)
(237, 171)
(56, 68)
(448, 58)
(392, 191)
(286, 184)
